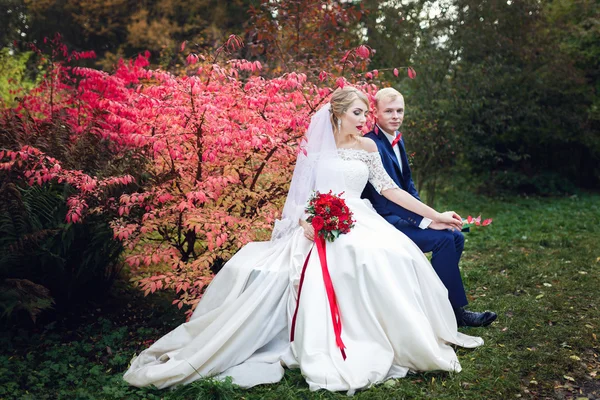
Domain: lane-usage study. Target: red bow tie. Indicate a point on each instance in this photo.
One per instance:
(397, 139)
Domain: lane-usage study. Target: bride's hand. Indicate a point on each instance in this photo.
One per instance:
(309, 231)
(451, 218)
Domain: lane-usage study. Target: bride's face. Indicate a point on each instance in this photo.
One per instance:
(354, 119)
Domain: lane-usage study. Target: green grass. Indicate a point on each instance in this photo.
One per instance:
(537, 265)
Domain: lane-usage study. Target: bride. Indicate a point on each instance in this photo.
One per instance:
(395, 312)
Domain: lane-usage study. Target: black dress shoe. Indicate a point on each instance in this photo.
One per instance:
(470, 318)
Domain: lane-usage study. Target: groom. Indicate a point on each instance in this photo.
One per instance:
(446, 245)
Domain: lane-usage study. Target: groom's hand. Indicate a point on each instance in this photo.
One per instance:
(440, 226)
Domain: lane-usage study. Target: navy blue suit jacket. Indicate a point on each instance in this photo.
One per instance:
(389, 210)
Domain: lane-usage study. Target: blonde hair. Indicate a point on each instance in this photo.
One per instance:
(341, 100)
(387, 93)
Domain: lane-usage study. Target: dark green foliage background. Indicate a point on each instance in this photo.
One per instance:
(502, 87)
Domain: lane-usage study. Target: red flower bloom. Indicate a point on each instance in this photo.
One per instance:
(335, 210)
(318, 223)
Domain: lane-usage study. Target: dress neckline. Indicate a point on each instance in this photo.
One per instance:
(350, 149)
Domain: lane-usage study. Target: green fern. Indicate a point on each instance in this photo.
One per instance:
(23, 295)
(74, 261)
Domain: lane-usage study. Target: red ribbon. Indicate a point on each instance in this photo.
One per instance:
(333, 307)
(298, 300)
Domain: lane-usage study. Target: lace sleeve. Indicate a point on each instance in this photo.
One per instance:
(378, 177)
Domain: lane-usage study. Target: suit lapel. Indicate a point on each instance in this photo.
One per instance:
(405, 167)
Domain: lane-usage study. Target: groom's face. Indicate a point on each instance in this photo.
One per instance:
(390, 113)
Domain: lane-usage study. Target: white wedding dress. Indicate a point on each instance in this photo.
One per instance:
(394, 309)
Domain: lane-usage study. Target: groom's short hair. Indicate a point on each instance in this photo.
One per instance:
(387, 93)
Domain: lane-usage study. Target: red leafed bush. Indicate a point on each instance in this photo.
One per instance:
(213, 151)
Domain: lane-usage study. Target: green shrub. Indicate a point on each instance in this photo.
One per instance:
(514, 182)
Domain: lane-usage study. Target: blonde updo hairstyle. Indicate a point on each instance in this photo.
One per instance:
(341, 100)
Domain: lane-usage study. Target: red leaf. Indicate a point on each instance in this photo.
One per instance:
(182, 46)
(192, 59)
(486, 222)
(345, 56)
(412, 74)
(363, 51)
(395, 71)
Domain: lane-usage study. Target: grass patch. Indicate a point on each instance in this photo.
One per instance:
(538, 266)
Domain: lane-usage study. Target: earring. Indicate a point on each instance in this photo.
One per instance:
(339, 125)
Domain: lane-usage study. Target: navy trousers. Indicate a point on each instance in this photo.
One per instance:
(446, 247)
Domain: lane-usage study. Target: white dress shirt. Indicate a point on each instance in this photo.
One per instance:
(425, 222)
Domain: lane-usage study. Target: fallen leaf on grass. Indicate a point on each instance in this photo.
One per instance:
(539, 296)
(390, 383)
(569, 378)
(575, 358)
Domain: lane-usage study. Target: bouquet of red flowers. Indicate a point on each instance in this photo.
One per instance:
(329, 215)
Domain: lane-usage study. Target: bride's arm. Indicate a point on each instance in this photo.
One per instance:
(404, 199)
(382, 182)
